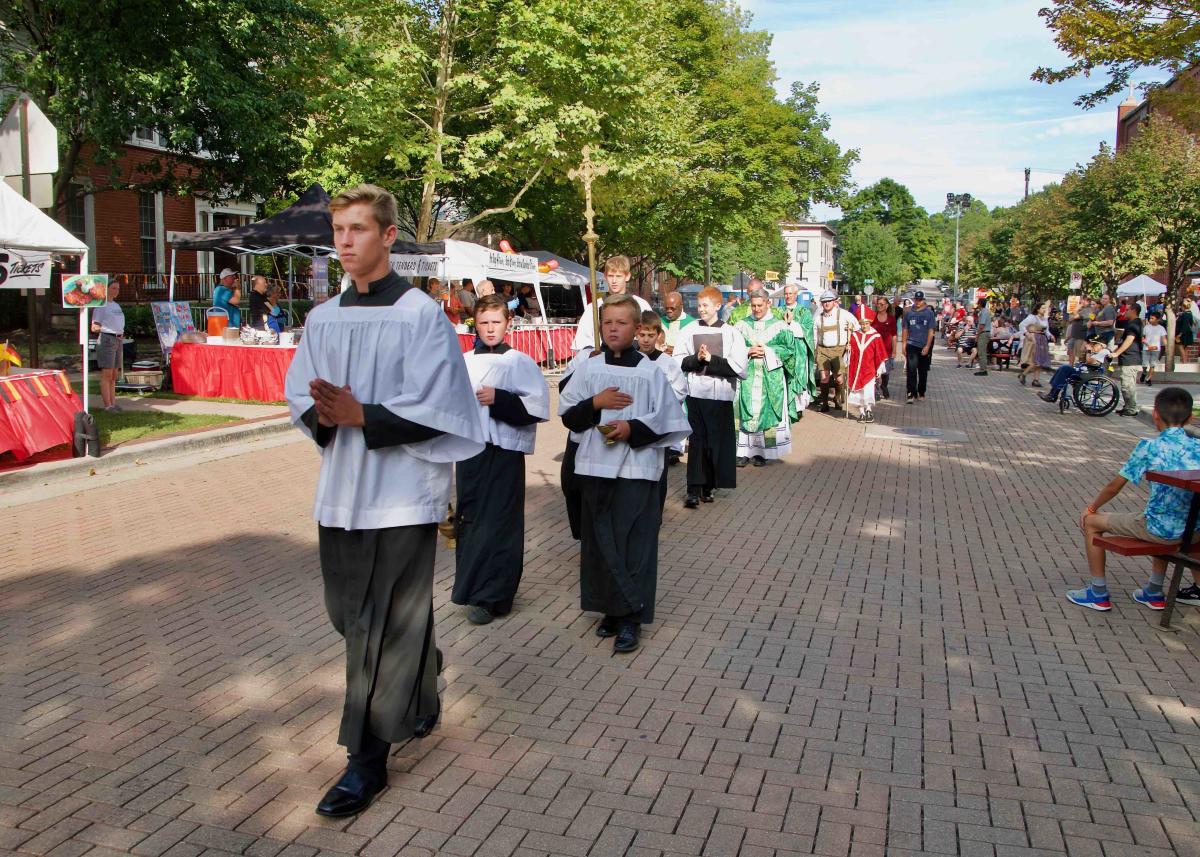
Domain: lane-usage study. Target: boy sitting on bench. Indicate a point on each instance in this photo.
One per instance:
(1165, 516)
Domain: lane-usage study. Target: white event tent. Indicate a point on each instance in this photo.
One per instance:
(1141, 285)
(28, 237)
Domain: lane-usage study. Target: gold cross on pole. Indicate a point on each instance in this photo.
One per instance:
(587, 172)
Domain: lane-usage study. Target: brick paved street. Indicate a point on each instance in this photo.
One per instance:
(892, 668)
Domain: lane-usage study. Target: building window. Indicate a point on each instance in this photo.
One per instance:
(76, 213)
(801, 251)
(148, 231)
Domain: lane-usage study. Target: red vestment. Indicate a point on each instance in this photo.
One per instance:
(867, 353)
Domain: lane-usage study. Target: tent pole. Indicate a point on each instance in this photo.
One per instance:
(171, 290)
(289, 285)
(84, 328)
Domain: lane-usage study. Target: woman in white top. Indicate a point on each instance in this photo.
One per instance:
(109, 322)
(1035, 344)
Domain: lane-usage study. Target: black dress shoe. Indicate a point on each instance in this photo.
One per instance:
(479, 614)
(1047, 397)
(627, 637)
(691, 501)
(742, 461)
(707, 497)
(759, 461)
(824, 407)
(608, 626)
(981, 372)
(426, 724)
(351, 794)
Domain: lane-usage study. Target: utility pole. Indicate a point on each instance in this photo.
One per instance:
(1028, 170)
(27, 192)
(707, 261)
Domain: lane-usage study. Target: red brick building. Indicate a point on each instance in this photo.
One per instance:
(126, 230)
(1132, 114)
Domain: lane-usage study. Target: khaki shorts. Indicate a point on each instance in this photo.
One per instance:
(1133, 525)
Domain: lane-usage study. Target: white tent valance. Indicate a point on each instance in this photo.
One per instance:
(461, 260)
(24, 226)
(1142, 284)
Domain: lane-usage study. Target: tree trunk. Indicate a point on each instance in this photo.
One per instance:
(441, 96)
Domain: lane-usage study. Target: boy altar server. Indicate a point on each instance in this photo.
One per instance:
(713, 357)
(490, 518)
(378, 382)
(618, 274)
(622, 413)
(868, 360)
(649, 332)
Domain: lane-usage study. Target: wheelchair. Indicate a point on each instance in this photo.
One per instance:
(1093, 393)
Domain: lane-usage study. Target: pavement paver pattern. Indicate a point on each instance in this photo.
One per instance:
(861, 651)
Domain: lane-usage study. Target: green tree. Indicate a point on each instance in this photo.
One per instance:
(219, 82)
(1103, 247)
(891, 204)
(871, 251)
(1120, 37)
(975, 223)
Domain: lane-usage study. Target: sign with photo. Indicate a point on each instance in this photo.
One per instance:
(84, 290)
(171, 320)
(24, 269)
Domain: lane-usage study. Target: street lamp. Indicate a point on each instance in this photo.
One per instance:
(957, 201)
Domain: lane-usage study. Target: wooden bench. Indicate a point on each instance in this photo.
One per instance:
(1127, 546)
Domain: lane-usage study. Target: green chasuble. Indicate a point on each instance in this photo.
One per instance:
(802, 383)
(763, 399)
(671, 328)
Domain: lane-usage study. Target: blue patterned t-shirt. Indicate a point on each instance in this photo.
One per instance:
(1167, 508)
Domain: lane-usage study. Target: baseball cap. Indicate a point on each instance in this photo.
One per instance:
(918, 296)
(227, 272)
(828, 295)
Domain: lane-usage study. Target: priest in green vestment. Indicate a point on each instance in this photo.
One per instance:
(762, 408)
(802, 382)
(674, 320)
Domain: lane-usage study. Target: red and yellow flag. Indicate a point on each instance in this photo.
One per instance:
(9, 354)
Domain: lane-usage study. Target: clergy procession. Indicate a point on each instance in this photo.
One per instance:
(405, 423)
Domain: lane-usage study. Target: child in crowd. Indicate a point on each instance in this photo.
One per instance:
(649, 337)
(617, 273)
(1165, 516)
(622, 414)
(868, 360)
(1154, 337)
(490, 517)
(714, 358)
(1097, 353)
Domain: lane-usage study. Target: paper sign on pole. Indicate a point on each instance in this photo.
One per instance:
(43, 140)
(1076, 281)
(84, 290)
(24, 269)
(1073, 303)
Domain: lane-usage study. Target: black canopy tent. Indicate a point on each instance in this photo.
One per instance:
(304, 229)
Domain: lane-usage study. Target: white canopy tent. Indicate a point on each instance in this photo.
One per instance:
(28, 237)
(460, 260)
(1143, 284)
(569, 273)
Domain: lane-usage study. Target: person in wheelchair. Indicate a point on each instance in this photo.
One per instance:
(1094, 358)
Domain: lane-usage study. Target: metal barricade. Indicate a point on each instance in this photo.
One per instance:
(548, 344)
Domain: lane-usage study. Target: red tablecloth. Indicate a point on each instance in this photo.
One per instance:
(246, 372)
(37, 412)
(532, 342)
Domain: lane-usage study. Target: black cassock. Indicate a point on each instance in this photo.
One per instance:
(490, 516)
(712, 448)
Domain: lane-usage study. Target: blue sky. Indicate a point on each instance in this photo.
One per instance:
(936, 93)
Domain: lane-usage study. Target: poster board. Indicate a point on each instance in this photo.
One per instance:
(1073, 303)
(84, 290)
(171, 319)
(24, 269)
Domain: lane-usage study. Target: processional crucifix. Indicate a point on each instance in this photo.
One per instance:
(587, 172)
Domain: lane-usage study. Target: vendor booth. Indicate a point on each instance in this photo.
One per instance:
(37, 407)
(1140, 286)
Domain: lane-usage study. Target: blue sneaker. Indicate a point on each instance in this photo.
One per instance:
(1153, 600)
(1089, 599)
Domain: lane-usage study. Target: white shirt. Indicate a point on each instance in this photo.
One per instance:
(1030, 320)
(833, 329)
(110, 317)
(733, 349)
(654, 404)
(1153, 335)
(519, 375)
(405, 357)
(585, 334)
(670, 367)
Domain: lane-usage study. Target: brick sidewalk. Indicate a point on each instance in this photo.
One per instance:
(893, 671)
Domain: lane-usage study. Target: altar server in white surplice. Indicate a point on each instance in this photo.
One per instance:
(622, 414)
(379, 383)
(490, 512)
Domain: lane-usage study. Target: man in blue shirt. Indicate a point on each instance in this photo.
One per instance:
(918, 327)
(1165, 516)
(227, 295)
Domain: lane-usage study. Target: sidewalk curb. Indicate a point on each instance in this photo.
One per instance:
(153, 450)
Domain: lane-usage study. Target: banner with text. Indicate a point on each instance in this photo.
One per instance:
(24, 269)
